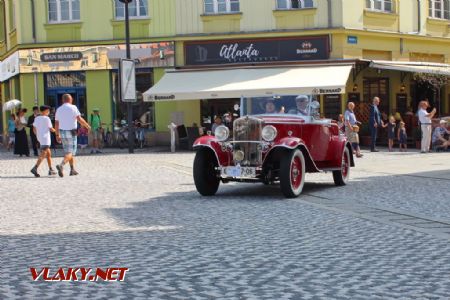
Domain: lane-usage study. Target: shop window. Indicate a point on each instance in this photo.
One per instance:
(377, 87)
(60, 11)
(143, 111)
(75, 79)
(332, 106)
(227, 109)
(58, 84)
(221, 6)
(439, 9)
(380, 5)
(294, 4)
(136, 9)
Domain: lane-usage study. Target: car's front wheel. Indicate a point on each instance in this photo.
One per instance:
(292, 173)
(205, 174)
(341, 176)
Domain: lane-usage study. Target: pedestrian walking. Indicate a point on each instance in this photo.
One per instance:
(96, 125)
(11, 130)
(425, 125)
(66, 118)
(33, 138)
(21, 141)
(42, 126)
(375, 122)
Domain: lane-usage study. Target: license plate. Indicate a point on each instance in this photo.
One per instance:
(239, 171)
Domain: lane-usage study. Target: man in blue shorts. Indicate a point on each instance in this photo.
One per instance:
(66, 118)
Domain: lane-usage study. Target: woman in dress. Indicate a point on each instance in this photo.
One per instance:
(21, 141)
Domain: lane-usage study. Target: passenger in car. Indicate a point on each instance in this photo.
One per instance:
(301, 109)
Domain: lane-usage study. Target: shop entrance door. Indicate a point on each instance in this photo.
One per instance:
(54, 98)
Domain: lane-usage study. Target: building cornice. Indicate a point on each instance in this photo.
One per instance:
(236, 35)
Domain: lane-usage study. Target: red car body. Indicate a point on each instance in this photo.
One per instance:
(301, 145)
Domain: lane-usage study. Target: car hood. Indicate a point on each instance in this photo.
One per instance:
(280, 119)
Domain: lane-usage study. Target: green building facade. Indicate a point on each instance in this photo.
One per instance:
(51, 47)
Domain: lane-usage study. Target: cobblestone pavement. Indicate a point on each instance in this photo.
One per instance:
(248, 242)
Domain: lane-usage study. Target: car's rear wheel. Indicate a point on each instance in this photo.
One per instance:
(292, 173)
(341, 176)
(205, 174)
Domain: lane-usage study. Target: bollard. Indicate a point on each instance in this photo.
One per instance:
(172, 128)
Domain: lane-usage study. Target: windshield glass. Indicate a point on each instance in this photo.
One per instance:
(299, 105)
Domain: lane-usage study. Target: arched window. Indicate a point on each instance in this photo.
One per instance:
(440, 9)
(221, 6)
(136, 9)
(294, 4)
(63, 10)
(380, 5)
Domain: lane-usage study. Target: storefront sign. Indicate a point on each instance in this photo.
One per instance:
(61, 56)
(9, 67)
(128, 80)
(352, 39)
(317, 91)
(257, 51)
(63, 59)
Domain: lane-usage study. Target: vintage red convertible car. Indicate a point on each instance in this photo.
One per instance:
(277, 138)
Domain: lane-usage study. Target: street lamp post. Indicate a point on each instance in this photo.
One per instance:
(129, 106)
(36, 89)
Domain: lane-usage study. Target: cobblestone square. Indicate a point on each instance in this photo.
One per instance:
(384, 236)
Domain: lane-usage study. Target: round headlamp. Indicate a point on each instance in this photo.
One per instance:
(269, 133)
(238, 155)
(221, 133)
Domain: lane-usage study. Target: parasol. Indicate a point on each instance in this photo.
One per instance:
(11, 104)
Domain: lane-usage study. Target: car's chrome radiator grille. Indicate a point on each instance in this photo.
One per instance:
(247, 138)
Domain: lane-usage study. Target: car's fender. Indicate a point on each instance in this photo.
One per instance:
(210, 142)
(336, 148)
(290, 143)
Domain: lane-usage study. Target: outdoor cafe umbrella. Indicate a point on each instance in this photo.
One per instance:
(11, 104)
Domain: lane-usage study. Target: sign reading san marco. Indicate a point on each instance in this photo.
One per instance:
(61, 56)
(257, 50)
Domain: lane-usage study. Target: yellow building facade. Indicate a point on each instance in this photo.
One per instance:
(356, 31)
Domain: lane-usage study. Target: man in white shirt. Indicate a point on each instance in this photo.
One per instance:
(42, 126)
(425, 125)
(66, 118)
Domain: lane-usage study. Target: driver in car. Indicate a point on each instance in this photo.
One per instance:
(270, 107)
(301, 102)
